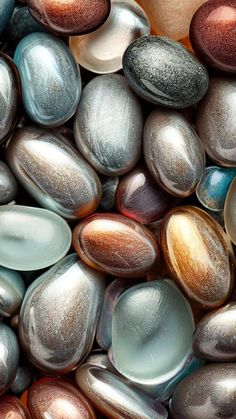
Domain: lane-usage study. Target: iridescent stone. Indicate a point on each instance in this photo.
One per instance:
(101, 51)
(12, 408)
(22, 380)
(21, 24)
(31, 238)
(12, 290)
(164, 72)
(8, 184)
(70, 294)
(9, 357)
(230, 212)
(108, 125)
(6, 10)
(152, 329)
(50, 79)
(112, 396)
(198, 255)
(208, 393)
(109, 187)
(215, 120)
(173, 152)
(53, 172)
(115, 244)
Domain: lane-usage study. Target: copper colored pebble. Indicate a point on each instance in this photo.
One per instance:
(12, 408)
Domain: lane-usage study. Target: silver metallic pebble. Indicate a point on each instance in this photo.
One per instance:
(173, 152)
(208, 393)
(53, 172)
(59, 315)
(215, 120)
(12, 290)
(109, 187)
(50, 79)
(22, 380)
(31, 238)
(108, 125)
(115, 398)
(8, 184)
(164, 72)
(230, 212)
(9, 357)
(101, 51)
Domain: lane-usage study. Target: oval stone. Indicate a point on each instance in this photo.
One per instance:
(59, 345)
(8, 184)
(215, 120)
(12, 290)
(32, 238)
(50, 79)
(208, 393)
(115, 244)
(9, 357)
(229, 212)
(198, 255)
(53, 172)
(11, 407)
(173, 152)
(164, 72)
(108, 125)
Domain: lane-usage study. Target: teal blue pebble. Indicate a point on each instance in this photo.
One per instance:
(6, 10)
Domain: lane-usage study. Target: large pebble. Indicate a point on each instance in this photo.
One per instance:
(9, 357)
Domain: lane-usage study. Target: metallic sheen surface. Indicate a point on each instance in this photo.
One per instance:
(214, 339)
(59, 315)
(108, 125)
(6, 10)
(58, 399)
(53, 172)
(31, 238)
(8, 184)
(113, 397)
(213, 35)
(216, 123)
(208, 393)
(230, 212)
(152, 329)
(164, 72)
(12, 290)
(23, 379)
(173, 152)
(50, 79)
(198, 255)
(9, 357)
(101, 51)
(12, 408)
(70, 17)
(115, 244)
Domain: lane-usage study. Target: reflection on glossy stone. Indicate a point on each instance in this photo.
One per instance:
(108, 125)
(21, 24)
(173, 152)
(112, 396)
(12, 290)
(208, 393)
(22, 380)
(6, 10)
(98, 358)
(215, 121)
(53, 172)
(12, 408)
(9, 357)
(109, 187)
(44, 60)
(8, 185)
(164, 72)
(31, 238)
(70, 17)
(198, 254)
(58, 399)
(230, 212)
(101, 51)
(115, 244)
(151, 321)
(59, 315)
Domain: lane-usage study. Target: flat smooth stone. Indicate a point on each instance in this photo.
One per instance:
(11, 407)
(32, 238)
(230, 212)
(12, 290)
(164, 72)
(8, 184)
(9, 357)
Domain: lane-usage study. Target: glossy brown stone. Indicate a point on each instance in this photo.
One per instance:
(71, 17)
(213, 34)
(199, 255)
(58, 399)
(12, 408)
(115, 244)
(140, 198)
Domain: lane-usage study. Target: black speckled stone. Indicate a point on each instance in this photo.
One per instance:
(164, 72)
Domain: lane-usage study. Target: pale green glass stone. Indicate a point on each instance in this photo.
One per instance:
(152, 332)
(31, 238)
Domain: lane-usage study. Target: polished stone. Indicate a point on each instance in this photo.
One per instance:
(6, 10)
(230, 213)
(9, 357)
(12, 290)
(8, 184)
(12, 408)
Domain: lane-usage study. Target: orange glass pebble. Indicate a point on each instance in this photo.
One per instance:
(12, 408)
(115, 244)
(199, 255)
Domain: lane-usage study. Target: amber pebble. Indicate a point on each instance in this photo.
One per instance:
(58, 399)
(199, 255)
(12, 408)
(229, 212)
(115, 244)
(70, 17)
(213, 34)
(140, 198)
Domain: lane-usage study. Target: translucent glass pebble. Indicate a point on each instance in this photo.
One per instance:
(152, 331)
(31, 238)
(12, 290)
(230, 212)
